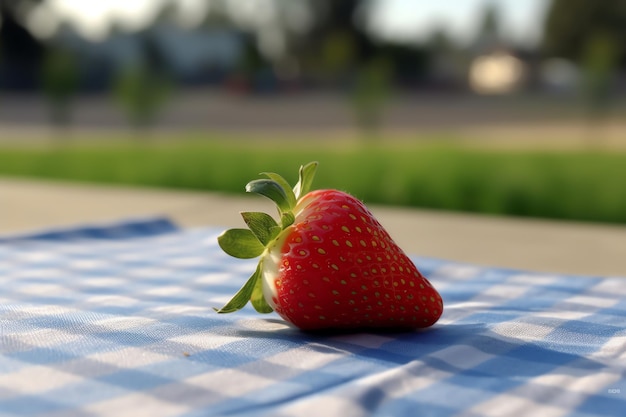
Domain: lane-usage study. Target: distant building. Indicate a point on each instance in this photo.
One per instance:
(201, 55)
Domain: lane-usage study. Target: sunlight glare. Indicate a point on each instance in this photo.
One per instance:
(93, 18)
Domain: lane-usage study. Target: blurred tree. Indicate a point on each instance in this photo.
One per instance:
(371, 93)
(592, 34)
(409, 64)
(251, 65)
(490, 25)
(489, 34)
(570, 24)
(142, 88)
(447, 61)
(21, 53)
(167, 14)
(60, 83)
(217, 15)
(599, 63)
(337, 57)
(337, 42)
(440, 40)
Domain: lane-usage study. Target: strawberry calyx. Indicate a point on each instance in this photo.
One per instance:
(263, 232)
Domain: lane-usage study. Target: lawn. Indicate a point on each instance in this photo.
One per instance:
(434, 172)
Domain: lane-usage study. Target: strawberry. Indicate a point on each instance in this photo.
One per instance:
(328, 264)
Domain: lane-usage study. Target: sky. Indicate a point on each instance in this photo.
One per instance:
(396, 19)
(416, 19)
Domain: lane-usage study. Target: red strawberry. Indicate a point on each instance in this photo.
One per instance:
(329, 264)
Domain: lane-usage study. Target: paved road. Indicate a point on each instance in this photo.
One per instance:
(559, 247)
(311, 111)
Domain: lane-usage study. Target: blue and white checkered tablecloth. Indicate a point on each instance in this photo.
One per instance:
(117, 321)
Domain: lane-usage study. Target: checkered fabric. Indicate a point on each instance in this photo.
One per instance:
(117, 321)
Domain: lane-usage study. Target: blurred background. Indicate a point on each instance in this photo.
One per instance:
(492, 106)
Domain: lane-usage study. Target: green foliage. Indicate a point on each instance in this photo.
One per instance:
(599, 65)
(251, 290)
(141, 92)
(60, 83)
(262, 225)
(570, 24)
(337, 54)
(372, 90)
(575, 185)
(240, 243)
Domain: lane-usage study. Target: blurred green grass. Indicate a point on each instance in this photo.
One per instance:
(440, 174)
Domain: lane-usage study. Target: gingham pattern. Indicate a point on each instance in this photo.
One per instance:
(117, 321)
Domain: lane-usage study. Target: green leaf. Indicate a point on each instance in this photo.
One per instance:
(291, 198)
(272, 190)
(258, 299)
(240, 243)
(305, 180)
(244, 294)
(262, 225)
(275, 231)
(287, 219)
